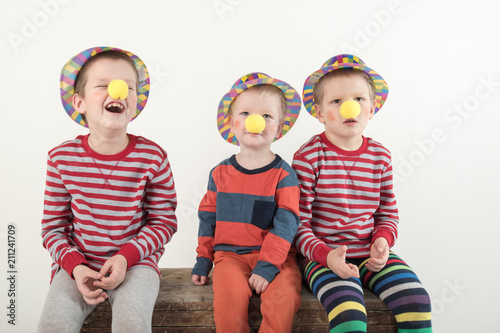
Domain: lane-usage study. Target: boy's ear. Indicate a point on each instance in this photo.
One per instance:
(231, 125)
(372, 109)
(319, 114)
(279, 130)
(78, 103)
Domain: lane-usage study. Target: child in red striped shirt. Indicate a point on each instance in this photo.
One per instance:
(110, 200)
(249, 215)
(348, 212)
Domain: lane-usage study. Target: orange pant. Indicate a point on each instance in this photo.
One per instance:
(232, 292)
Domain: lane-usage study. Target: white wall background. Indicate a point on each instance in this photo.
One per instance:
(440, 59)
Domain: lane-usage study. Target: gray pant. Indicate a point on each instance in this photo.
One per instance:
(132, 303)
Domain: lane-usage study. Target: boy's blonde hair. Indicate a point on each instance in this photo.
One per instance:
(342, 72)
(267, 89)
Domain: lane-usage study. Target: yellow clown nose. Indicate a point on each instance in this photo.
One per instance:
(255, 123)
(350, 109)
(118, 89)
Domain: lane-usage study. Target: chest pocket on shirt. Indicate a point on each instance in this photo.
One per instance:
(263, 213)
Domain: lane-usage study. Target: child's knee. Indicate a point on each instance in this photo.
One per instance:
(50, 324)
(278, 300)
(131, 323)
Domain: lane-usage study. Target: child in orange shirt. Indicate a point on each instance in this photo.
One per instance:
(249, 215)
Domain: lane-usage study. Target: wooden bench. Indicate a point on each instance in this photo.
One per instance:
(184, 307)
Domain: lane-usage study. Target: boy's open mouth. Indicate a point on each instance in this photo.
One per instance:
(115, 107)
(350, 121)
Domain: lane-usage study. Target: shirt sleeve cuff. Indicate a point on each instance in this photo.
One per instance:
(71, 260)
(265, 269)
(384, 234)
(202, 267)
(320, 254)
(130, 253)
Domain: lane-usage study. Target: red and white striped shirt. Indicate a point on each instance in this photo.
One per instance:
(346, 198)
(97, 206)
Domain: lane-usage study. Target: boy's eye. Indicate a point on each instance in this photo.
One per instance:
(336, 101)
(266, 116)
(244, 113)
(358, 99)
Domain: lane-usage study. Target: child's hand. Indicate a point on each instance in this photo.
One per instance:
(336, 262)
(258, 283)
(199, 280)
(84, 278)
(117, 267)
(379, 253)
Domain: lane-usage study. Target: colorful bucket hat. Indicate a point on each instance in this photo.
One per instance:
(292, 98)
(338, 62)
(71, 69)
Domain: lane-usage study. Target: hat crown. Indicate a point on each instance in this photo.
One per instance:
(343, 59)
(250, 77)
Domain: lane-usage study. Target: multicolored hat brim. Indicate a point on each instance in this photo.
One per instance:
(338, 62)
(292, 98)
(70, 72)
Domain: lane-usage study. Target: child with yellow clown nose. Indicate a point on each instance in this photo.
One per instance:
(250, 212)
(119, 184)
(348, 211)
